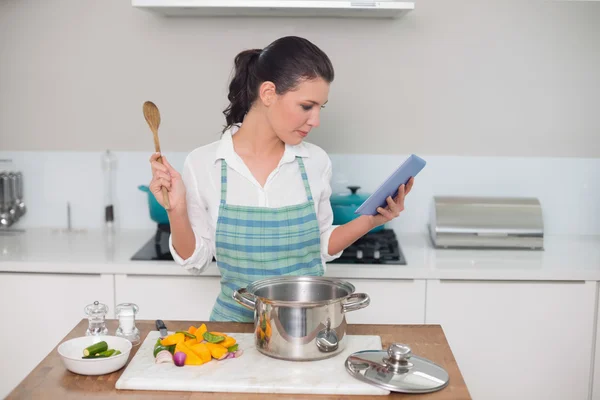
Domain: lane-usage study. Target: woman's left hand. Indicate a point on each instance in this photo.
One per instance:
(395, 206)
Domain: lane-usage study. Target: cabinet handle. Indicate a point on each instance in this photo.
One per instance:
(506, 281)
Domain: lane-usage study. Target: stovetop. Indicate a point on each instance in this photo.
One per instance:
(380, 247)
(157, 248)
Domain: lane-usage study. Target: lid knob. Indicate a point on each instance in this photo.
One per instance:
(399, 354)
(353, 189)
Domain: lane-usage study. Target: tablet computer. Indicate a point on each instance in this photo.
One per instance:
(409, 168)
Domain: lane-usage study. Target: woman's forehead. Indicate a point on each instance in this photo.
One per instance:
(312, 89)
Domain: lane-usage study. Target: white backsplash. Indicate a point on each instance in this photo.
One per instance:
(568, 188)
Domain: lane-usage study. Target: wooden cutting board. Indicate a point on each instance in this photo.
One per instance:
(253, 372)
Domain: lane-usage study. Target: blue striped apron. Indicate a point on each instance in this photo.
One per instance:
(255, 243)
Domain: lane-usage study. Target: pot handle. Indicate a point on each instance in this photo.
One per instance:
(244, 298)
(356, 301)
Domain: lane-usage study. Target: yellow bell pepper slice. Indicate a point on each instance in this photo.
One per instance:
(191, 358)
(200, 331)
(228, 342)
(201, 350)
(172, 339)
(216, 350)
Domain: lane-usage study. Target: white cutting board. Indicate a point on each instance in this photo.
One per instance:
(253, 372)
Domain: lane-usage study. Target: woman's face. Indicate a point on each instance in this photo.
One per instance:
(293, 114)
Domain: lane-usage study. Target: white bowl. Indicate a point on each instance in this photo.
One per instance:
(71, 352)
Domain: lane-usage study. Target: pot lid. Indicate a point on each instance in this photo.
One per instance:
(397, 369)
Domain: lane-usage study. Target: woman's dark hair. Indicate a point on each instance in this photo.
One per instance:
(285, 62)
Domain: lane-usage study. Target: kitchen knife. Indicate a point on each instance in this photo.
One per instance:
(160, 326)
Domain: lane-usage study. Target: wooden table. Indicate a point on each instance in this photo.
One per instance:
(51, 380)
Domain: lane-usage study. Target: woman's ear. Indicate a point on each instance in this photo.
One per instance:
(267, 93)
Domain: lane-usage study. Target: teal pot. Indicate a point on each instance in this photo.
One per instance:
(157, 212)
(344, 206)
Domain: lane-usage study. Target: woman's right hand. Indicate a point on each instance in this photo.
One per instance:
(164, 175)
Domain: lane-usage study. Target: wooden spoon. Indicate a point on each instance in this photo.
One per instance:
(152, 117)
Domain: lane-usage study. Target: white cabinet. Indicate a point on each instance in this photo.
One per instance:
(392, 302)
(189, 298)
(38, 311)
(596, 376)
(518, 340)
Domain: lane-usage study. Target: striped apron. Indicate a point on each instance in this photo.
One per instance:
(255, 243)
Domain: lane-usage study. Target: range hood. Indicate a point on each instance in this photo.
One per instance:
(277, 8)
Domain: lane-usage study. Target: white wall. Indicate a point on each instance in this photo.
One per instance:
(568, 188)
(481, 78)
(501, 97)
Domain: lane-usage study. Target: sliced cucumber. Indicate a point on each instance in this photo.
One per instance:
(104, 354)
(95, 348)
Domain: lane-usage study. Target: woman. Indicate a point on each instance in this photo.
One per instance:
(258, 199)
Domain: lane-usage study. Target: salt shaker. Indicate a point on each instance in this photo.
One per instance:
(126, 314)
(96, 316)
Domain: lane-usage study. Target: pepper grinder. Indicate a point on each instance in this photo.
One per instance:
(96, 316)
(126, 314)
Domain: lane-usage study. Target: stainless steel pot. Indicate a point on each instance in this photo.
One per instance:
(300, 318)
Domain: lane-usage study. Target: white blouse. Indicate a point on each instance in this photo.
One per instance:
(202, 178)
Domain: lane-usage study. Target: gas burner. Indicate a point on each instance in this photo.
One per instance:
(374, 248)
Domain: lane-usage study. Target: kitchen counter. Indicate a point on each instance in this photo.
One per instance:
(50, 379)
(565, 258)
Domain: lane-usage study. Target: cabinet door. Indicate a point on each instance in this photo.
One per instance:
(38, 311)
(596, 376)
(518, 340)
(392, 302)
(189, 298)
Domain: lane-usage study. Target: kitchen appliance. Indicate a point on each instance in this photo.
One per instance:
(157, 248)
(278, 8)
(12, 204)
(253, 372)
(380, 247)
(374, 248)
(486, 222)
(300, 318)
(344, 206)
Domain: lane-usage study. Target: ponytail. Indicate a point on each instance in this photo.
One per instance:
(285, 62)
(243, 86)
